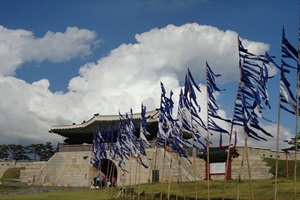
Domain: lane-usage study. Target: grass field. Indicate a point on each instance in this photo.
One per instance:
(262, 189)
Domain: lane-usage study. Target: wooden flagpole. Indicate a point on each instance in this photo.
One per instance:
(231, 129)
(297, 118)
(169, 186)
(240, 172)
(163, 171)
(277, 140)
(139, 193)
(248, 164)
(207, 137)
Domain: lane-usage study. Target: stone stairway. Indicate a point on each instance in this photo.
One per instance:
(27, 174)
(175, 166)
(63, 169)
(258, 168)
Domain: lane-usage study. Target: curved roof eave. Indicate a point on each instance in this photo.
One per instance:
(151, 116)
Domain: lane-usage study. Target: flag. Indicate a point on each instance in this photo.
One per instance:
(288, 101)
(221, 140)
(57, 147)
(252, 91)
(169, 131)
(192, 109)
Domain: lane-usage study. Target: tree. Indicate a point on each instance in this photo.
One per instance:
(292, 143)
(4, 151)
(46, 152)
(36, 150)
(17, 152)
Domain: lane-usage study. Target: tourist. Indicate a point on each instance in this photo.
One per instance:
(98, 179)
(105, 180)
(114, 181)
(123, 179)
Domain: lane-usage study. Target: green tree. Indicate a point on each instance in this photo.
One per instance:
(35, 150)
(292, 143)
(3, 151)
(46, 152)
(17, 152)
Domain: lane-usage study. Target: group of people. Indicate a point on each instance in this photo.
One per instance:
(101, 181)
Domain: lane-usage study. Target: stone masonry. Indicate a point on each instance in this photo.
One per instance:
(73, 169)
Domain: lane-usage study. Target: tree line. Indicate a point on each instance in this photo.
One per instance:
(17, 152)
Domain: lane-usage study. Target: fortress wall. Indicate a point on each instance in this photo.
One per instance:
(268, 153)
(4, 165)
(72, 168)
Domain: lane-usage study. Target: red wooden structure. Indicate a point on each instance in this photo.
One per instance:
(217, 161)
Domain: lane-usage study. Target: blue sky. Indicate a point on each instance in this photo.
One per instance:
(114, 54)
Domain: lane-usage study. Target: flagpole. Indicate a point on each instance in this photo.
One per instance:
(278, 136)
(169, 186)
(207, 137)
(231, 129)
(297, 118)
(178, 159)
(139, 194)
(248, 163)
(239, 175)
(194, 149)
(163, 171)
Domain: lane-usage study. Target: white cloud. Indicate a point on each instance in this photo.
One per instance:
(20, 46)
(128, 76)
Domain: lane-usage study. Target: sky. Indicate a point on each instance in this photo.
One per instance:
(62, 61)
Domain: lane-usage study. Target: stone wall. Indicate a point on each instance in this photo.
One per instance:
(4, 165)
(63, 169)
(72, 168)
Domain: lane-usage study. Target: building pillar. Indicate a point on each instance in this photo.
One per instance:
(228, 176)
(207, 171)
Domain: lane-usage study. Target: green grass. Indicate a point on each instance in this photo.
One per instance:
(12, 173)
(282, 167)
(262, 189)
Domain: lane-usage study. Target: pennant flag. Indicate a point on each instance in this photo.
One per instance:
(252, 94)
(57, 147)
(288, 100)
(169, 131)
(212, 106)
(189, 111)
(221, 140)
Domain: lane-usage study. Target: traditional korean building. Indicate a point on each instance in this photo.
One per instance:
(83, 133)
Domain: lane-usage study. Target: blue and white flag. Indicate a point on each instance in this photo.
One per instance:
(289, 60)
(169, 131)
(252, 94)
(212, 103)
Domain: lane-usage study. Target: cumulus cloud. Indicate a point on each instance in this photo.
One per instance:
(20, 46)
(129, 75)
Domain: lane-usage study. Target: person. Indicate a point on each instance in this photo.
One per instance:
(114, 181)
(98, 181)
(93, 184)
(123, 180)
(105, 180)
(108, 183)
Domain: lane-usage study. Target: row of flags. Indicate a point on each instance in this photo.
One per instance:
(251, 99)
